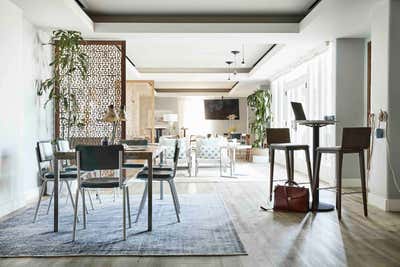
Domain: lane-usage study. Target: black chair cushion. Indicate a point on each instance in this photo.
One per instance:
(132, 165)
(333, 149)
(63, 175)
(135, 142)
(70, 169)
(157, 175)
(160, 168)
(100, 182)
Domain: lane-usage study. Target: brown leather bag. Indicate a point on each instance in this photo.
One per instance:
(291, 198)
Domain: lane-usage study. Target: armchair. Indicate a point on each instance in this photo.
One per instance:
(208, 150)
(185, 157)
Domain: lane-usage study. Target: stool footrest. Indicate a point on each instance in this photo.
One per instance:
(350, 193)
(280, 180)
(286, 180)
(326, 188)
(331, 189)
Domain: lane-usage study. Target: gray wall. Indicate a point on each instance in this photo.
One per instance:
(22, 117)
(349, 81)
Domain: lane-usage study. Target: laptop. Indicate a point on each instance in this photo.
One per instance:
(301, 116)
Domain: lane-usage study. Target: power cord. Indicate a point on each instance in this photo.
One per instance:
(383, 116)
(394, 175)
(371, 119)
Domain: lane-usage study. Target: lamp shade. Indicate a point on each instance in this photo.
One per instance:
(170, 117)
(110, 115)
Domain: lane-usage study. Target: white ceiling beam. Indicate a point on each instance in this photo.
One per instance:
(192, 77)
(56, 14)
(196, 27)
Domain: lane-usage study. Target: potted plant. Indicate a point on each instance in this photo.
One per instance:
(69, 60)
(260, 103)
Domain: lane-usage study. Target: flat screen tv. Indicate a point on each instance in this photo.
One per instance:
(220, 109)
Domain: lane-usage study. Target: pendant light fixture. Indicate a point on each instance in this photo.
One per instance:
(235, 52)
(243, 54)
(229, 63)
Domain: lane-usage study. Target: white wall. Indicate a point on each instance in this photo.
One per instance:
(190, 112)
(393, 139)
(22, 118)
(379, 97)
(385, 95)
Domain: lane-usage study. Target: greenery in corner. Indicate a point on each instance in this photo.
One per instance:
(260, 103)
(69, 60)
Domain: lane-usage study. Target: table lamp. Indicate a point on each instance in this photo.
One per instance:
(170, 118)
(111, 117)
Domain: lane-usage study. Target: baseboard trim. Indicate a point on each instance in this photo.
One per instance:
(393, 205)
(351, 182)
(384, 203)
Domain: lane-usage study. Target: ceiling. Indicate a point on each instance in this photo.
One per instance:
(191, 55)
(195, 7)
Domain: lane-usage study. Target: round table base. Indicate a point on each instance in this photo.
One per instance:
(324, 207)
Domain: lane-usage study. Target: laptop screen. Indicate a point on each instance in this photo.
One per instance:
(298, 111)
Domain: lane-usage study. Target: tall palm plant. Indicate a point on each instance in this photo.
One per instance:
(69, 61)
(260, 103)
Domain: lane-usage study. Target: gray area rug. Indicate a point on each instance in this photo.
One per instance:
(205, 229)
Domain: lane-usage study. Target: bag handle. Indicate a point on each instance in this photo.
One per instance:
(292, 182)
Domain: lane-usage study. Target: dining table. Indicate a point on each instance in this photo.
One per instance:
(148, 153)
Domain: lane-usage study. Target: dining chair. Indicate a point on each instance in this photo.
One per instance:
(279, 139)
(354, 141)
(97, 158)
(63, 145)
(133, 142)
(185, 157)
(44, 156)
(161, 175)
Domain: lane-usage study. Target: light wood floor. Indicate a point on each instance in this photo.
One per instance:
(272, 239)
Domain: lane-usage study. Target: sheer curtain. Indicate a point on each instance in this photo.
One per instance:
(191, 115)
(311, 84)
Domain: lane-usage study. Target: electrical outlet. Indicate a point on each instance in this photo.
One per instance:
(379, 133)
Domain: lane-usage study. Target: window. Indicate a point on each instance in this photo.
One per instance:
(311, 84)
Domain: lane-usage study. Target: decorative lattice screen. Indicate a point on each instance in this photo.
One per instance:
(105, 85)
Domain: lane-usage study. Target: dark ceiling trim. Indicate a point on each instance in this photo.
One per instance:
(313, 5)
(80, 4)
(196, 18)
(264, 55)
(234, 85)
(193, 90)
(193, 18)
(127, 58)
(130, 61)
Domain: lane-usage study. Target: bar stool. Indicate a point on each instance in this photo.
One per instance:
(279, 139)
(354, 140)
